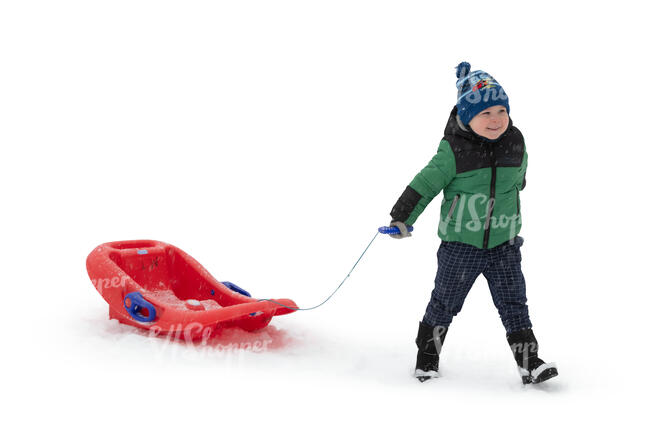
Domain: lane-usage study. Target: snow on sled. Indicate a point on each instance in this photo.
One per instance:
(157, 286)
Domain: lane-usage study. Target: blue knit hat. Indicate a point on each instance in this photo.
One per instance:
(477, 90)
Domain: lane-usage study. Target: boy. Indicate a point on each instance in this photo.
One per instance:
(481, 166)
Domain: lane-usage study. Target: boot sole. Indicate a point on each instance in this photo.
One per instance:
(547, 373)
(423, 376)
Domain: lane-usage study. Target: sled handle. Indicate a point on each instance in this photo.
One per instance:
(235, 288)
(134, 303)
(385, 230)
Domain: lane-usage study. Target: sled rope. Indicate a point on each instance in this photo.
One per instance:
(332, 294)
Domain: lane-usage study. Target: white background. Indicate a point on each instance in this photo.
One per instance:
(269, 140)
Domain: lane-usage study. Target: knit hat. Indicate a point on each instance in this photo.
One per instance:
(477, 90)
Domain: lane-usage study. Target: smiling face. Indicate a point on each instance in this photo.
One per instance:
(491, 122)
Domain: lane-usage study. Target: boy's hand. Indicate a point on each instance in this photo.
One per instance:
(403, 231)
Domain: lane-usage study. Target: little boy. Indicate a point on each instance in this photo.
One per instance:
(481, 166)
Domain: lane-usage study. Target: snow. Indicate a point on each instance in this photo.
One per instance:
(269, 140)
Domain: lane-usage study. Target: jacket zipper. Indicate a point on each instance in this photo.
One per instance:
(486, 234)
(518, 205)
(453, 206)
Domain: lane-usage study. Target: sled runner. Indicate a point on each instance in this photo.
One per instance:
(154, 285)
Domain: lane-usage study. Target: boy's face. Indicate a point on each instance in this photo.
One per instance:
(491, 122)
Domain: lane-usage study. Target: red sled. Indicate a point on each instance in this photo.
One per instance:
(157, 286)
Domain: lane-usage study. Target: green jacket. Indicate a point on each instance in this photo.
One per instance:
(481, 180)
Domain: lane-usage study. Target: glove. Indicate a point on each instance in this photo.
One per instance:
(403, 231)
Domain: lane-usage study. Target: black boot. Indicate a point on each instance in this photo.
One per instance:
(429, 342)
(531, 367)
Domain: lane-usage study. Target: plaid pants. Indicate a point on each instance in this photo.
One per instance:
(458, 267)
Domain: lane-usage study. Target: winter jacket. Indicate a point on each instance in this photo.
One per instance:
(481, 180)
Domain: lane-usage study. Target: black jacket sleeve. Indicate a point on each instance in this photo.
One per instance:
(405, 204)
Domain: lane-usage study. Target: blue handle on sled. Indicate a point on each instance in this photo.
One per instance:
(134, 303)
(235, 288)
(385, 230)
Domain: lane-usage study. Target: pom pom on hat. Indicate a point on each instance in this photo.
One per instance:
(462, 70)
(477, 90)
